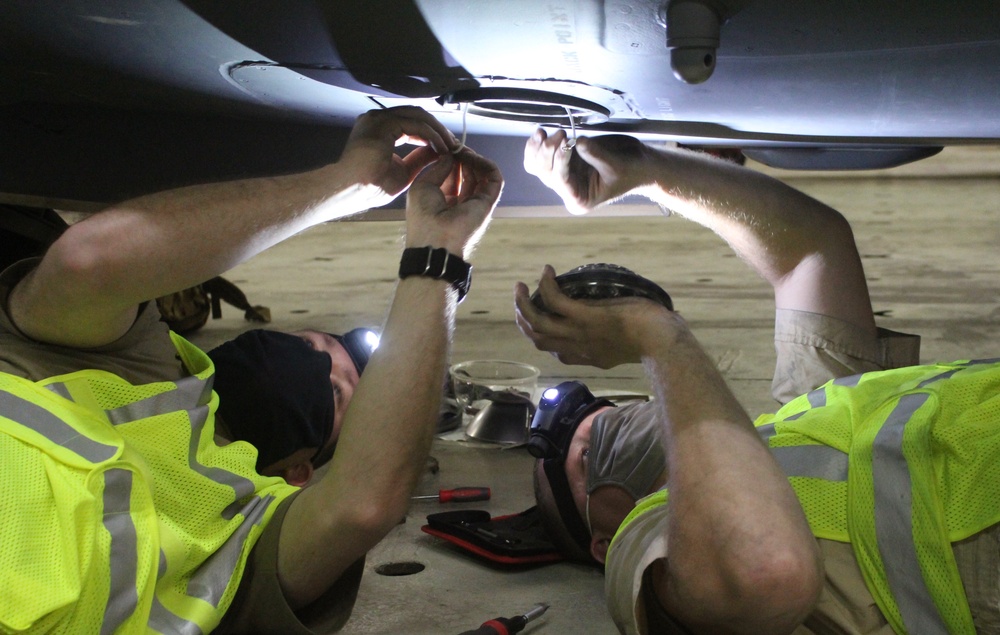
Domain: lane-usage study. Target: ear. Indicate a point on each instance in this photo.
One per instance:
(599, 544)
(299, 474)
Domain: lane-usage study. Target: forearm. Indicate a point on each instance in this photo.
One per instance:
(382, 449)
(146, 247)
(387, 432)
(771, 225)
(804, 249)
(179, 238)
(742, 557)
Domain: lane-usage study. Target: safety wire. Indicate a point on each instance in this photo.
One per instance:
(571, 142)
(461, 146)
(465, 129)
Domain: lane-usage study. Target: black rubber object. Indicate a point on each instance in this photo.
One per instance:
(603, 281)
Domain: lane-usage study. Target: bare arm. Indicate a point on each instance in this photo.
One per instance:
(800, 246)
(742, 558)
(85, 291)
(390, 423)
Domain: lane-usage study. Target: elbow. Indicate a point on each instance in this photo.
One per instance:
(375, 521)
(838, 228)
(781, 587)
(80, 259)
(773, 594)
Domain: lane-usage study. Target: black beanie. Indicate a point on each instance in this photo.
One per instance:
(274, 392)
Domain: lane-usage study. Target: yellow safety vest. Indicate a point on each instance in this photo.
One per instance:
(118, 512)
(900, 464)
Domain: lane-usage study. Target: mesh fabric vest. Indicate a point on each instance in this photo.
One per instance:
(118, 512)
(900, 464)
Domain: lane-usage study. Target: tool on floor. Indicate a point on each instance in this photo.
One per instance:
(509, 625)
(458, 495)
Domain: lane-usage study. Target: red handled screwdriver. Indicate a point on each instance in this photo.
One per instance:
(509, 625)
(458, 495)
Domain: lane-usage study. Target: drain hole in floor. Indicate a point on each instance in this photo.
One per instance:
(399, 568)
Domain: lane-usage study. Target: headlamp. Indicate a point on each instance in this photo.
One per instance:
(559, 413)
(360, 343)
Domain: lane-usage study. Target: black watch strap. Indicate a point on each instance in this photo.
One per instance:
(437, 263)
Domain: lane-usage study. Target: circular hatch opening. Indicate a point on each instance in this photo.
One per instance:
(532, 106)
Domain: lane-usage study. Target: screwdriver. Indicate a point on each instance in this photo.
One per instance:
(509, 625)
(458, 495)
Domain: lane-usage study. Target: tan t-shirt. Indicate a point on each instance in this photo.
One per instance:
(144, 354)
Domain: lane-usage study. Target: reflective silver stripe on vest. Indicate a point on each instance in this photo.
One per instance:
(848, 382)
(162, 566)
(210, 582)
(893, 523)
(815, 461)
(242, 487)
(935, 378)
(162, 620)
(213, 576)
(61, 390)
(123, 597)
(43, 422)
(817, 398)
(189, 392)
(193, 395)
(766, 432)
(977, 362)
(949, 373)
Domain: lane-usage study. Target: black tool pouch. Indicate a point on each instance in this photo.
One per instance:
(516, 539)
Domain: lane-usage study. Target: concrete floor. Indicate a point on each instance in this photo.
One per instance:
(929, 237)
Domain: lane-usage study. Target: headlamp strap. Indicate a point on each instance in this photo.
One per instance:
(556, 473)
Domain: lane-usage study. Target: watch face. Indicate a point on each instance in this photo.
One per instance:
(603, 281)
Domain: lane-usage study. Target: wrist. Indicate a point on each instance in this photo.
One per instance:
(451, 246)
(437, 263)
(653, 329)
(657, 173)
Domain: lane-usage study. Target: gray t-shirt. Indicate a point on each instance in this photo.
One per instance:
(811, 349)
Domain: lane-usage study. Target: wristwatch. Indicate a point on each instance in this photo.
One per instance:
(437, 263)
